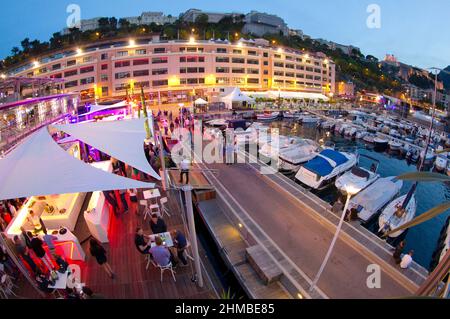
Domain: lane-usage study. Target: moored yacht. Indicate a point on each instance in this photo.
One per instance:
(394, 216)
(291, 158)
(268, 116)
(441, 162)
(369, 202)
(358, 178)
(324, 168)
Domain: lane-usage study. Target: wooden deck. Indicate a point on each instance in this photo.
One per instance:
(132, 280)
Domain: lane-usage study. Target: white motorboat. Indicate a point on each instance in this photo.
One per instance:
(357, 178)
(292, 115)
(394, 216)
(291, 158)
(327, 125)
(429, 158)
(394, 145)
(268, 116)
(381, 143)
(324, 168)
(272, 149)
(306, 119)
(361, 134)
(350, 131)
(369, 202)
(441, 162)
(369, 138)
(244, 137)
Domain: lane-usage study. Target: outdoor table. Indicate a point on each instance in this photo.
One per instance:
(152, 195)
(166, 237)
(61, 283)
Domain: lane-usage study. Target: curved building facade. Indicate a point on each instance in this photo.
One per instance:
(175, 71)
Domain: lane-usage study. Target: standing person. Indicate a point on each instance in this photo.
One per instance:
(180, 243)
(134, 200)
(97, 251)
(109, 196)
(184, 166)
(157, 225)
(166, 127)
(172, 126)
(35, 221)
(37, 246)
(23, 251)
(49, 240)
(123, 193)
(12, 209)
(397, 255)
(407, 260)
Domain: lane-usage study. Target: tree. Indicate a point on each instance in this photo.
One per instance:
(26, 45)
(15, 51)
(202, 21)
(103, 24)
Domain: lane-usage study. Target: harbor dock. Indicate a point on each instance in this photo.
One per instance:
(294, 228)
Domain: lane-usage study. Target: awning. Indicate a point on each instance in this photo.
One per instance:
(200, 101)
(123, 140)
(102, 107)
(38, 166)
(236, 96)
(288, 95)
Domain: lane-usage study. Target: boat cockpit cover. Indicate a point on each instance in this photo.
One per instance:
(319, 165)
(360, 172)
(335, 156)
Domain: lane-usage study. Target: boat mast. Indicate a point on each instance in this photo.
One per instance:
(422, 162)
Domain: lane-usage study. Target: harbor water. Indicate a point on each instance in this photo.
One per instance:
(423, 238)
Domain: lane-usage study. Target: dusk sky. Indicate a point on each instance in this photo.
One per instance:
(415, 31)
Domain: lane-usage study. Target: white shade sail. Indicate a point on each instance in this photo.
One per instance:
(123, 140)
(38, 166)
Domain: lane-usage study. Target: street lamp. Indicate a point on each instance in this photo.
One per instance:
(350, 192)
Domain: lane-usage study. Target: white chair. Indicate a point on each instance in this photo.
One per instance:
(149, 260)
(163, 202)
(147, 211)
(154, 209)
(168, 267)
(7, 286)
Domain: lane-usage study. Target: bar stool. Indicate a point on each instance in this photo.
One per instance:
(163, 202)
(147, 211)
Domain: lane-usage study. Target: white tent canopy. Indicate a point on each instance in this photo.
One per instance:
(235, 96)
(101, 107)
(123, 140)
(200, 101)
(289, 95)
(38, 166)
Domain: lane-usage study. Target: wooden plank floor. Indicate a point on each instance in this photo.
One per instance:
(133, 281)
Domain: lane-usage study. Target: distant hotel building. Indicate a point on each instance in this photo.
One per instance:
(258, 23)
(174, 71)
(145, 18)
(213, 17)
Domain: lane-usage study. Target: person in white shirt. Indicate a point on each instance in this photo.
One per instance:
(12, 209)
(407, 260)
(184, 166)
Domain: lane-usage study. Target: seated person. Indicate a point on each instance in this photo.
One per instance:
(161, 255)
(62, 264)
(142, 241)
(43, 283)
(158, 225)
